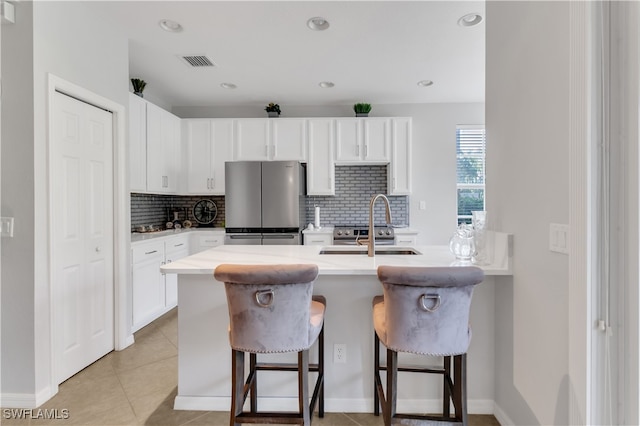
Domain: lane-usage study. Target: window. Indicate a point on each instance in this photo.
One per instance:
(470, 166)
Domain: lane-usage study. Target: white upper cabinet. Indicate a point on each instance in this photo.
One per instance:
(196, 134)
(400, 167)
(362, 140)
(163, 150)
(321, 167)
(375, 139)
(264, 139)
(208, 146)
(222, 133)
(137, 143)
(288, 139)
(252, 139)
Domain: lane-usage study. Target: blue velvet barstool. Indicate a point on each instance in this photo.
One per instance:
(424, 311)
(272, 310)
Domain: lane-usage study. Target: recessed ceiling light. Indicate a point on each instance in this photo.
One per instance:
(326, 84)
(425, 83)
(470, 20)
(228, 86)
(318, 23)
(169, 25)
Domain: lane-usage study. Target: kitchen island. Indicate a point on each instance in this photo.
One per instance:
(349, 282)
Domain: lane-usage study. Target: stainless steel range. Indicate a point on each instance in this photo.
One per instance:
(345, 235)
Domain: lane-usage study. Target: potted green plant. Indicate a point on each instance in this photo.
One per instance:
(273, 110)
(138, 86)
(362, 109)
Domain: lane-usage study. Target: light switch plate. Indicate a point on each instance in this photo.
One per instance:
(559, 238)
(6, 226)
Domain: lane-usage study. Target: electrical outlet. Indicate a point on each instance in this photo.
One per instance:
(340, 353)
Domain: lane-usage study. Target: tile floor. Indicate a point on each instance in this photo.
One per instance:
(137, 387)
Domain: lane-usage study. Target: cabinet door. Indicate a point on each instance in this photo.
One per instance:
(176, 249)
(148, 284)
(171, 150)
(288, 139)
(321, 167)
(312, 239)
(400, 167)
(163, 150)
(222, 134)
(348, 140)
(155, 150)
(197, 135)
(252, 139)
(137, 143)
(406, 240)
(376, 135)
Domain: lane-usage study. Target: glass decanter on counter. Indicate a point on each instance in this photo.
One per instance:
(462, 244)
(479, 224)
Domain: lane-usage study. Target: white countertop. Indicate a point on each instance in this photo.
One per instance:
(145, 236)
(330, 264)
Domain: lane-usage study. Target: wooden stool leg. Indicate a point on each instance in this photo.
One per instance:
(446, 390)
(303, 386)
(237, 385)
(460, 388)
(254, 383)
(392, 382)
(376, 373)
(321, 371)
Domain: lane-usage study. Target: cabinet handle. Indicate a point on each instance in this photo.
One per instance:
(178, 245)
(273, 150)
(151, 252)
(266, 150)
(394, 183)
(317, 241)
(366, 151)
(213, 183)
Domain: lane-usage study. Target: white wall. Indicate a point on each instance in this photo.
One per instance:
(434, 152)
(527, 116)
(18, 374)
(71, 41)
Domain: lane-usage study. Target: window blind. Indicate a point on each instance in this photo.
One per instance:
(470, 170)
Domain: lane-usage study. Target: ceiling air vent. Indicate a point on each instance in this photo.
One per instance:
(197, 61)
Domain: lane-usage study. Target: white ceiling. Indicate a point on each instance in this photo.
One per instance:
(374, 52)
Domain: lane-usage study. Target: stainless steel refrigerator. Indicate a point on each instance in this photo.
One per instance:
(264, 202)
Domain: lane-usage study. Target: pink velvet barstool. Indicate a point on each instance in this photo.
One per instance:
(272, 310)
(424, 311)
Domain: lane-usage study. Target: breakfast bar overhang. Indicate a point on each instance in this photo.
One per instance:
(349, 282)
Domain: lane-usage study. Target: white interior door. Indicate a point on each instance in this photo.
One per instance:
(82, 234)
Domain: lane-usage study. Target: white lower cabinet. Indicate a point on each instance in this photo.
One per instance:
(148, 283)
(175, 249)
(406, 237)
(205, 240)
(154, 293)
(322, 237)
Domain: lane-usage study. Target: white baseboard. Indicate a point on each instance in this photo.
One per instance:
(26, 400)
(331, 405)
(501, 416)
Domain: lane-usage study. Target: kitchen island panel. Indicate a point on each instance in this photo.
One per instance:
(205, 356)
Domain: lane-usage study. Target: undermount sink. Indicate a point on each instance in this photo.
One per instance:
(397, 251)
